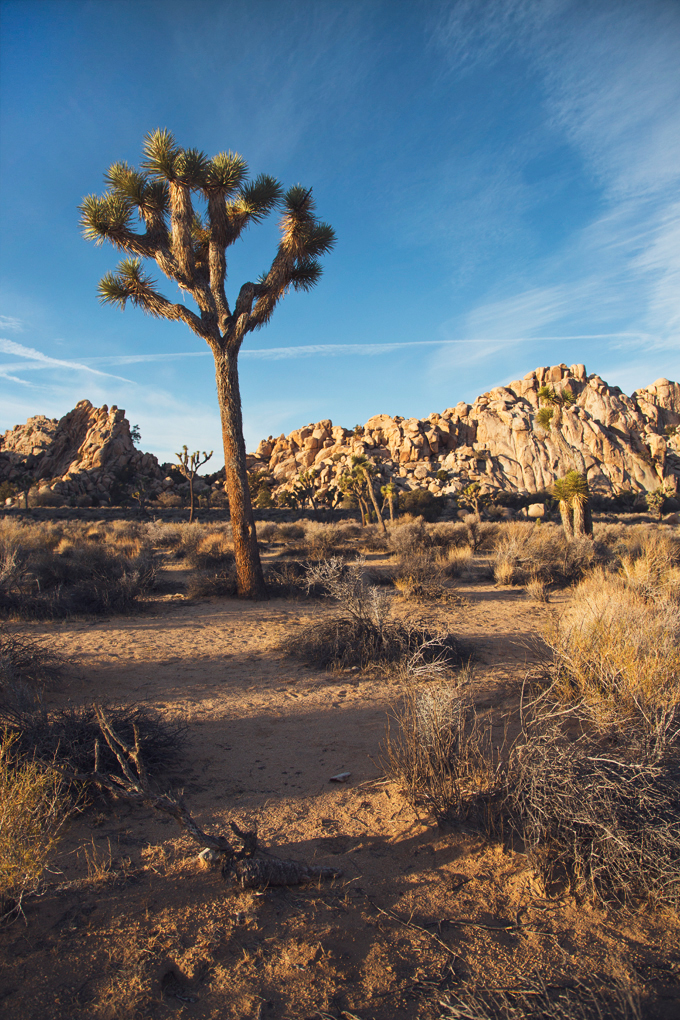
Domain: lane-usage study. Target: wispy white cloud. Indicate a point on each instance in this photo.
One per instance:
(496, 314)
(612, 91)
(9, 322)
(37, 359)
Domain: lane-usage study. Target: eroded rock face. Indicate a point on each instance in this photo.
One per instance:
(619, 441)
(84, 454)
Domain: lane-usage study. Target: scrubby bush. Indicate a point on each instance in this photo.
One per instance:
(420, 502)
(362, 632)
(33, 810)
(525, 551)
(55, 571)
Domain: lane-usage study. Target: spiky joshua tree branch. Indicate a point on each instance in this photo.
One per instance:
(190, 209)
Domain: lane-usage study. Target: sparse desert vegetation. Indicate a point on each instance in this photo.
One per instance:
(497, 704)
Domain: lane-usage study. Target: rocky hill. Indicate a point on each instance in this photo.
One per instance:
(80, 458)
(623, 443)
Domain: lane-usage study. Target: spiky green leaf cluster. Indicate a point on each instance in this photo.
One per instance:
(129, 282)
(572, 488)
(544, 417)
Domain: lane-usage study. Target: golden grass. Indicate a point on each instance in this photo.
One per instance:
(33, 809)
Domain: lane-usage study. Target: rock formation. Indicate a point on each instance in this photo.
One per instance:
(623, 444)
(81, 458)
(620, 442)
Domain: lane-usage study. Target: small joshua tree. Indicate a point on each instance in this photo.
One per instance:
(189, 465)
(304, 487)
(364, 467)
(473, 498)
(656, 501)
(140, 492)
(572, 494)
(389, 492)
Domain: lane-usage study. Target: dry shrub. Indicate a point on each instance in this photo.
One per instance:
(23, 661)
(448, 535)
(213, 584)
(67, 736)
(419, 576)
(213, 550)
(287, 577)
(324, 540)
(618, 999)
(363, 634)
(603, 821)
(343, 642)
(617, 653)
(408, 537)
(33, 809)
(525, 551)
(266, 531)
(48, 572)
(443, 756)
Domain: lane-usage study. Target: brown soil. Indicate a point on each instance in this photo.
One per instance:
(131, 924)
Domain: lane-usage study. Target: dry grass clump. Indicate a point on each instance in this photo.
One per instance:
(443, 755)
(362, 633)
(324, 540)
(617, 652)
(213, 550)
(33, 809)
(55, 571)
(618, 999)
(526, 551)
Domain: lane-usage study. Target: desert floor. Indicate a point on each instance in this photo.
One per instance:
(132, 924)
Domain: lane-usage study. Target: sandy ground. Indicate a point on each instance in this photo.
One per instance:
(141, 928)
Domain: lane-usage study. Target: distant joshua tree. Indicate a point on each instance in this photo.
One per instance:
(390, 494)
(189, 463)
(366, 468)
(572, 494)
(189, 248)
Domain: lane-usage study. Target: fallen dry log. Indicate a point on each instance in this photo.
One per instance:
(247, 865)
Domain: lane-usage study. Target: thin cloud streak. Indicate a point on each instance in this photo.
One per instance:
(360, 350)
(45, 361)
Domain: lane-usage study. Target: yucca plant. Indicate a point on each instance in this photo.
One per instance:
(189, 246)
(573, 496)
(363, 466)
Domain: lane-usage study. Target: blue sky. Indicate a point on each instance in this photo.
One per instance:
(502, 176)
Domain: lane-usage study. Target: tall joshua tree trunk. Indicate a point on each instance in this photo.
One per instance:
(248, 566)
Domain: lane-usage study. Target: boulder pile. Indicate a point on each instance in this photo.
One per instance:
(622, 443)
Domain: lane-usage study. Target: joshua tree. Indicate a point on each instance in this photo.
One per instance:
(140, 492)
(190, 249)
(572, 494)
(189, 463)
(473, 498)
(656, 500)
(304, 488)
(390, 493)
(353, 485)
(363, 466)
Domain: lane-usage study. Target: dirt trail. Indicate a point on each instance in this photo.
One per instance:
(151, 931)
